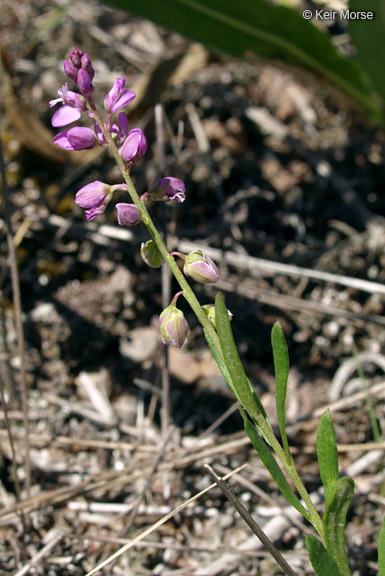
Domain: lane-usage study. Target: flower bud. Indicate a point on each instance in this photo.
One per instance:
(76, 62)
(128, 214)
(173, 326)
(75, 57)
(200, 267)
(70, 70)
(73, 64)
(84, 83)
(86, 65)
(209, 310)
(149, 251)
(134, 147)
(94, 197)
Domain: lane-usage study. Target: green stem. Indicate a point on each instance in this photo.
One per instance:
(188, 293)
(315, 518)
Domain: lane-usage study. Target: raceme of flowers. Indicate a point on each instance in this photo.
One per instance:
(131, 146)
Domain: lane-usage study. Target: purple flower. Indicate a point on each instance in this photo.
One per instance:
(128, 214)
(166, 189)
(73, 105)
(118, 96)
(118, 131)
(173, 326)
(200, 267)
(134, 147)
(99, 135)
(94, 197)
(76, 138)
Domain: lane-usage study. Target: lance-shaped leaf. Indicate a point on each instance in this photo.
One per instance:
(381, 550)
(221, 363)
(368, 37)
(240, 383)
(245, 29)
(335, 520)
(322, 562)
(281, 367)
(327, 455)
(272, 466)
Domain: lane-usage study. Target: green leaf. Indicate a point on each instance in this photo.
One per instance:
(281, 367)
(327, 455)
(322, 562)
(221, 363)
(240, 383)
(368, 37)
(381, 550)
(245, 28)
(335, 520)
(272, 466)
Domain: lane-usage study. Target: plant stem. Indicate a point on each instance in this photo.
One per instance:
(315, 518)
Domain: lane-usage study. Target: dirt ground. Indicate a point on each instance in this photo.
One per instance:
(285, 190)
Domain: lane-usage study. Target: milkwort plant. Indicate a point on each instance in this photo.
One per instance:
(327, 550)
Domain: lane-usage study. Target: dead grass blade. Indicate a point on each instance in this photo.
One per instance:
(16, 297)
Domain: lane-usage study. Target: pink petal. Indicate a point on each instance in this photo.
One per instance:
(127, 97)
(65, 115)
(81, 138)
(62, 140)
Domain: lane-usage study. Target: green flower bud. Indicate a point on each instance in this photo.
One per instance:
(209, 310)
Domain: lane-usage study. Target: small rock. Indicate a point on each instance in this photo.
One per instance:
(141, 345)
(43, 313)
